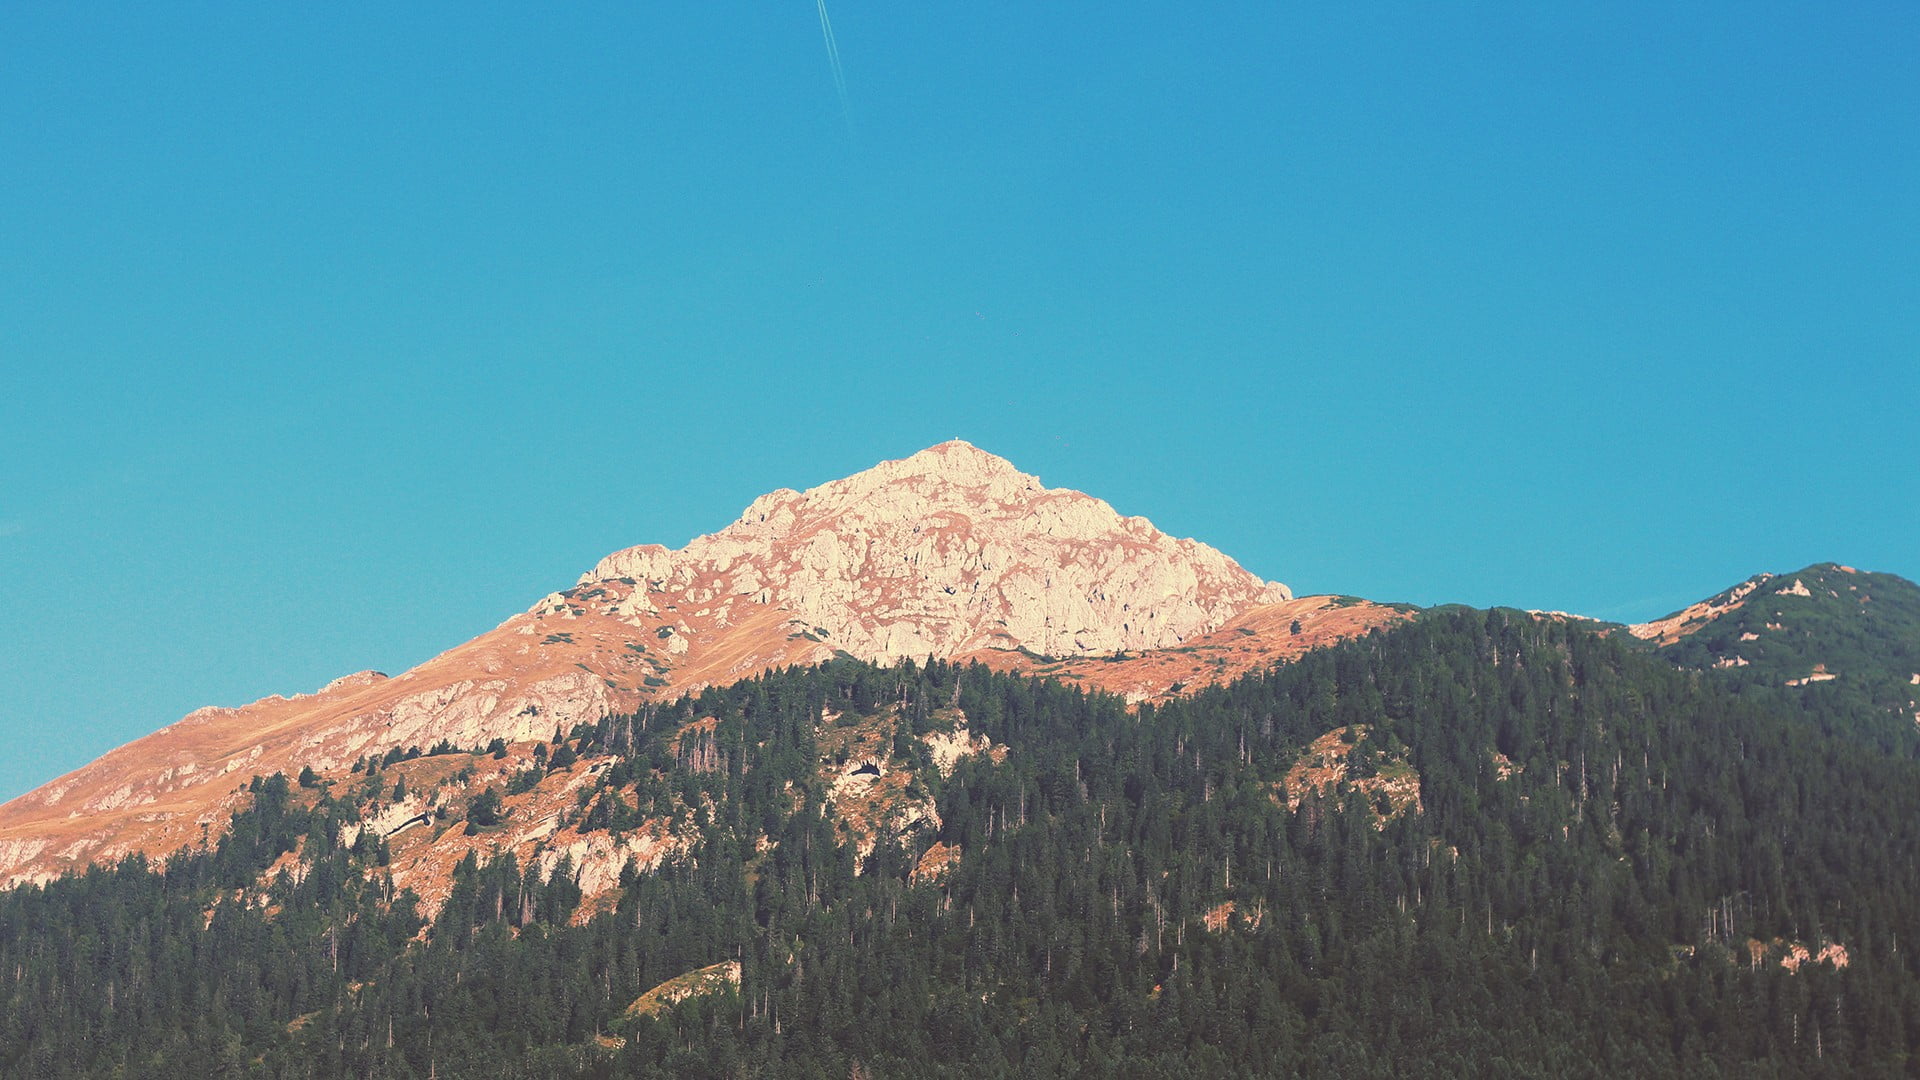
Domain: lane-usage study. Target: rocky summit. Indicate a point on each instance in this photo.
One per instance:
(950, 550)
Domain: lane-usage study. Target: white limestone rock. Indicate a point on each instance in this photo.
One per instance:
(950, 550)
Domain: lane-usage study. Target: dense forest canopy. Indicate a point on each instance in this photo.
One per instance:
(1612, 867)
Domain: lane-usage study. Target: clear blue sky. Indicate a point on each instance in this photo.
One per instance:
(332, 336)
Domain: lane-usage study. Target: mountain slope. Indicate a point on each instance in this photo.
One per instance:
(1845, 640)
(949, 552)
(1475, 844)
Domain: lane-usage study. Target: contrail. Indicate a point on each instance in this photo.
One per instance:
(833, 61)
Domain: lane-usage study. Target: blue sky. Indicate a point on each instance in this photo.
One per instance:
(332, 337)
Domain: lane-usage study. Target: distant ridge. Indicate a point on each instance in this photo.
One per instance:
(1827, 629)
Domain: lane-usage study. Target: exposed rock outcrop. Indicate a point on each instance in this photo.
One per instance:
(1687, 620)
(949, 550)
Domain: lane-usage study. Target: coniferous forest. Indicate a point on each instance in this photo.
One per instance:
(1607, 862)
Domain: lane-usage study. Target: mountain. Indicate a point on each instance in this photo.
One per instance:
(950, 553)
(934, 771)
(1845, 643)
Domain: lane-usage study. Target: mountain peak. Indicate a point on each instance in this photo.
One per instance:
(948, 550)
(963, 469)
(955, 459)
(950, 475)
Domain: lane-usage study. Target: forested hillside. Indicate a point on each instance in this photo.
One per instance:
(1839, 643)
(1607, 866)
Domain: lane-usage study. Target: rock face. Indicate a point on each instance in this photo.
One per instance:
(950, 550)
